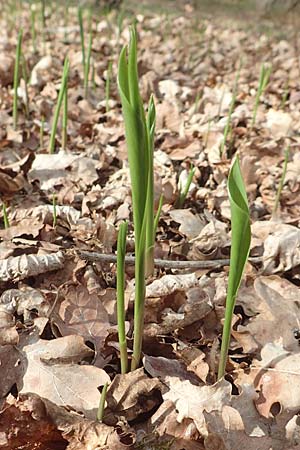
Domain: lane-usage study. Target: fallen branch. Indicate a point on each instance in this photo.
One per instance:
(168, 264)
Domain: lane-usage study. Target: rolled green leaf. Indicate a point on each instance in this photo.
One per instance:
(240, 247)
(121, 250)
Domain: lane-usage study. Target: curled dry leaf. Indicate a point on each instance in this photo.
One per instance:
(273, 306)
(132, 395)
(281, 245)
(52, 371)
(17, 268)
(28, 227)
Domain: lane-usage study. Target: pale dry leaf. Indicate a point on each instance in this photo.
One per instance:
(52, 372)
(17, 268)
(190, 224)
(279, 123)
(168, 284)
(28, 227)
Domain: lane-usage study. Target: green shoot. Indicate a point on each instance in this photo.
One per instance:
(93, 77)
(58, 105)
(32, 25)
(121, 250)
(42, 127)
(80, 20)
(139, 131)
(100, 413)
(64, 130)
(25, 78)
(281, 182)
(54, 211)
(265, 72)
(5, 217)
(88, 64)
(107, 85)
(158, 212)
(240, 247)
(231, 108)
(285, 94)
(16, 79)
(183, 192)
(197, 100)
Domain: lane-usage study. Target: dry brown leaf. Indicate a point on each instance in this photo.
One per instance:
(52, 371)
(83, 313)
(132, 395)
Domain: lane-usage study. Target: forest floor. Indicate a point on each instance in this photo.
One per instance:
(58, 326)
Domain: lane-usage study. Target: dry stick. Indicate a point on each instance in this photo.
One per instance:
(168, 264)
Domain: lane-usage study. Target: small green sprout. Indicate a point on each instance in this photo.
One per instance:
(100, 413)
(80, 20)
(240, 247)
(64, 130)
(32, 25)
(121, 250)
(54, 211)
(139, 131)
(281, 182)
(25, 78)
(107, 85)
(42, 128)
(5, 217)
(183, 192)
(231, 108)
(265, 72)
(88, 64)
(61, 94)
(16, 79)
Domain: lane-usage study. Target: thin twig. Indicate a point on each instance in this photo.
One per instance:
(168, 264)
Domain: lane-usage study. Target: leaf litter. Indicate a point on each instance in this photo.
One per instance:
(58, 334)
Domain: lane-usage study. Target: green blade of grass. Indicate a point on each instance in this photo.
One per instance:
(264, 77)
(183, 192)
(5, 217)
(240, 247)
(80, 20)
(121, 249)
(281, 182)
(100, 413)
(16, 79)
(88, 65)
(64, 138)
(58, 105)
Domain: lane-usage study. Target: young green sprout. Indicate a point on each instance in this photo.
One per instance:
(81, 31)
(121, 250)
(42, 127)
(5, 217)
(107, 85)
(16, 79)
(139, 131)
(64, 130)
(281, 182)
(264, 76)
(32, 25)
(61, 94)
(54, 211)
(183, 192)
(25, 78)
(88, 64)
(100, 413)
(231, 108)
(240, 247)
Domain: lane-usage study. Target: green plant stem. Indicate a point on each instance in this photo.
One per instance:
(240, 246)
(32, 24)
(183, 193)
(87, 65)
(64, 130)
(16, 79)
(107, 85)
(42, 132)
(58, 105)
(80, 20)
(158, 212)
(281, 182)
(100, 413)
(264, 76)
(5, 217)
(25, 78)
(121, 250)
